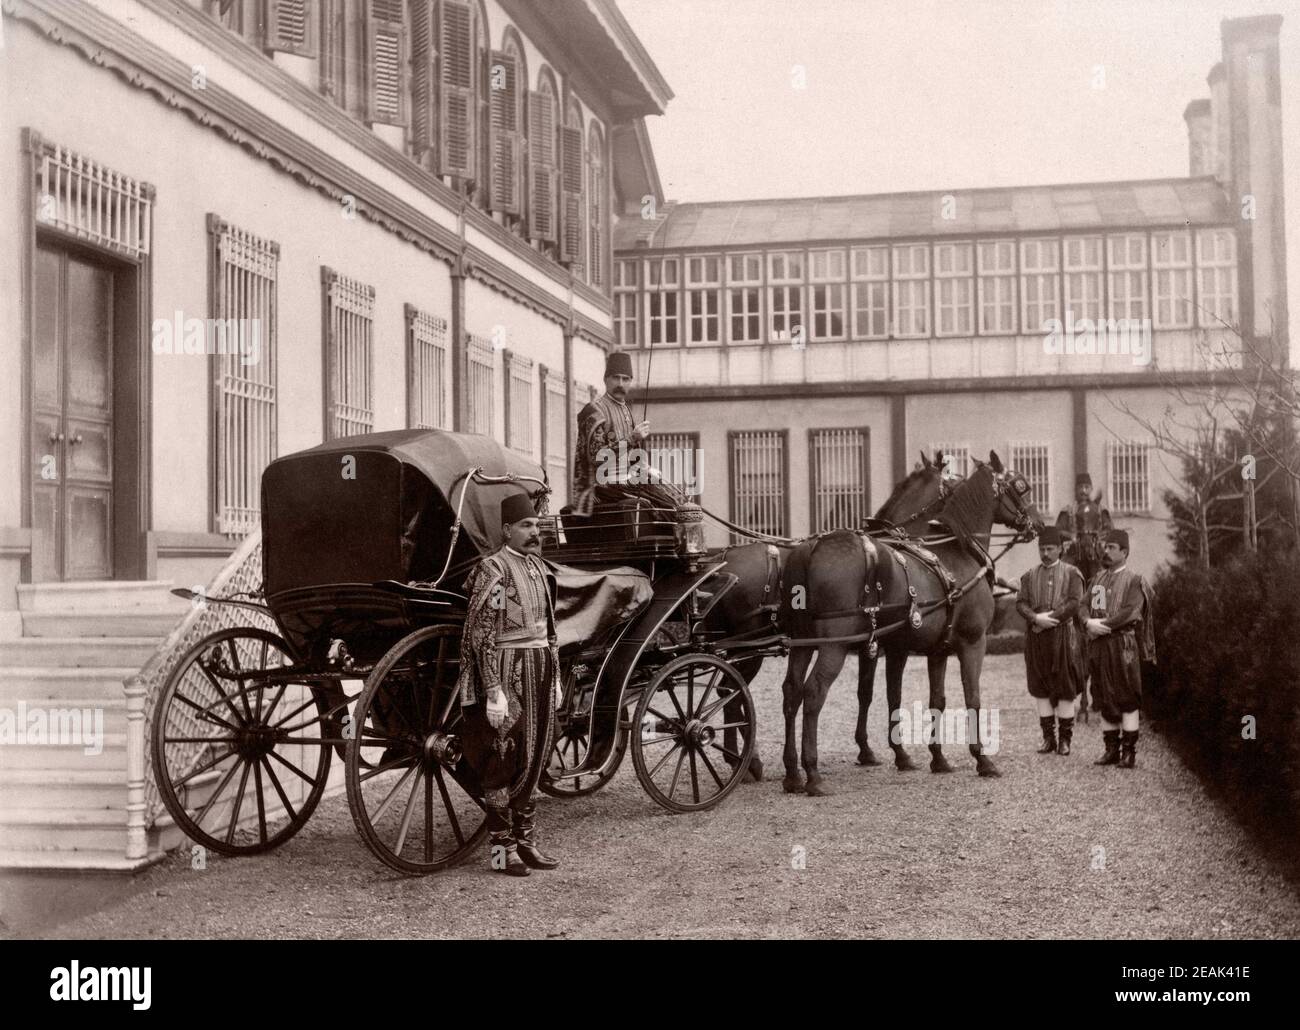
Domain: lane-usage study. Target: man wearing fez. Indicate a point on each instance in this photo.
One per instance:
(1122, 636)
(603, 466)
(1049, 600)
(509, 682)
(1081, 527)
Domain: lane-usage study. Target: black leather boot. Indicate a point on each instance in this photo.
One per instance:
(1128, 743)
(1048, 723)
(525, 826)
(502, 847)
(1066, 734)
(1111, 754)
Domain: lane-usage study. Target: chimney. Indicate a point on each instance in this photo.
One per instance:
(1219, 141)
(1200, 137)
(1254, 171)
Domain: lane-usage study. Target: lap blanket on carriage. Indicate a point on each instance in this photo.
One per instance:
(589, 603)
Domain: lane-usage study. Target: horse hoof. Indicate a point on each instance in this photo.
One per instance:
(903, 762)
(792, 784)
(985, 767)
(754, 774)
(867, 757)
(939, 764)
(816, 788)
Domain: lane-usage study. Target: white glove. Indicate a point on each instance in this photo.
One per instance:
(559, 694)
(496, 708)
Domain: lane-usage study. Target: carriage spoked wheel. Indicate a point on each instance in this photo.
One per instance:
(241, 742)
(412, 795)
(571, 747)
(693, 734)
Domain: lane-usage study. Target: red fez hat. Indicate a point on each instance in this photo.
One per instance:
(517, 507)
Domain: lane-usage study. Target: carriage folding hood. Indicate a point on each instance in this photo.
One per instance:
(381, 506)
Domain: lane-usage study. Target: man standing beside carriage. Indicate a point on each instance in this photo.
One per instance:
(1049, 601)
(509, 683)
(1122, 636)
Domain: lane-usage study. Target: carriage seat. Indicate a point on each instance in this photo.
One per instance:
(591, 602)
(630, 520)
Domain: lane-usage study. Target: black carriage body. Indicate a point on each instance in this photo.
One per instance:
(353, 512)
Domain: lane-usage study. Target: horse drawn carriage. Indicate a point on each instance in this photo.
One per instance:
(366, 543)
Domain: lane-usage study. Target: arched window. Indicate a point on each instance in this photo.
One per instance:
(572, 193)
(542, 163)
(597, 205)
(506, 73)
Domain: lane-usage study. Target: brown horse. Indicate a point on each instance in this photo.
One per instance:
(851, 578)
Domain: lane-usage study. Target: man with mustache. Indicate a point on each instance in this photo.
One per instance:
(1122, 636)
(610, 461)
(510, 686)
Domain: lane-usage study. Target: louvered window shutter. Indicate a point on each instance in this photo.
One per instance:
(457, 138)
(424, 113)
(507, 149)
(386, 61)
(571, 211)
(541, 166)
(291, 27)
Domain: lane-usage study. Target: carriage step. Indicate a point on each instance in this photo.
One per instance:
(103, 685)
(79, 652)
(125, 623)
(43, 789)
(99, 596)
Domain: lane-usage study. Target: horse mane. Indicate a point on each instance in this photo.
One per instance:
(899, 489)
(969, 503)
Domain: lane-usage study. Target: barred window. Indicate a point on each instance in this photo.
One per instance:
(1039, 284)
(1127, 260)
(554, 451)
(1032, 460)
(626, 298)
(582, 396)
(1083, 276)
(703, 299)
(663, 279)
(481, 395)
(519, 402)
(744, 290)
(349, 355)
(759, 478)
(839, 463)
(996, 267)
(244, 270)
(1171, 263)
(785, 294)
(912, 290)
(826, 293)
(954, 289)
(1129, 476)
(426, 362)
(679, 460)
(1216, 257)
(870, 292)
(956, 459)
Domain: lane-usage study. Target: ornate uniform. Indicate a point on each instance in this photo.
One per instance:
(603, 469)
(1053, 656)
(1122, 600)
(1083, 524)
(509, 643)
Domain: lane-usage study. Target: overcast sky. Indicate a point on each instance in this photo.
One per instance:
(931, 94)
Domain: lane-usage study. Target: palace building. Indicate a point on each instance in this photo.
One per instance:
(808, 349)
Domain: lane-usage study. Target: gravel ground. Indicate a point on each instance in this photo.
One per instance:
(888, 855)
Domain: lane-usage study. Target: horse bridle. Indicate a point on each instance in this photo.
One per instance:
(945, 491)
(1017, 484)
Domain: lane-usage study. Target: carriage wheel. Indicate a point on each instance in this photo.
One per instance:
(412, 795)
(230, 722)
(571, 747)
(681, 728)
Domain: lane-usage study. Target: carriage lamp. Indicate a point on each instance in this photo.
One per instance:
(690, 528)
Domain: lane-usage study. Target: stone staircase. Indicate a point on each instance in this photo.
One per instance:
(63, 755)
